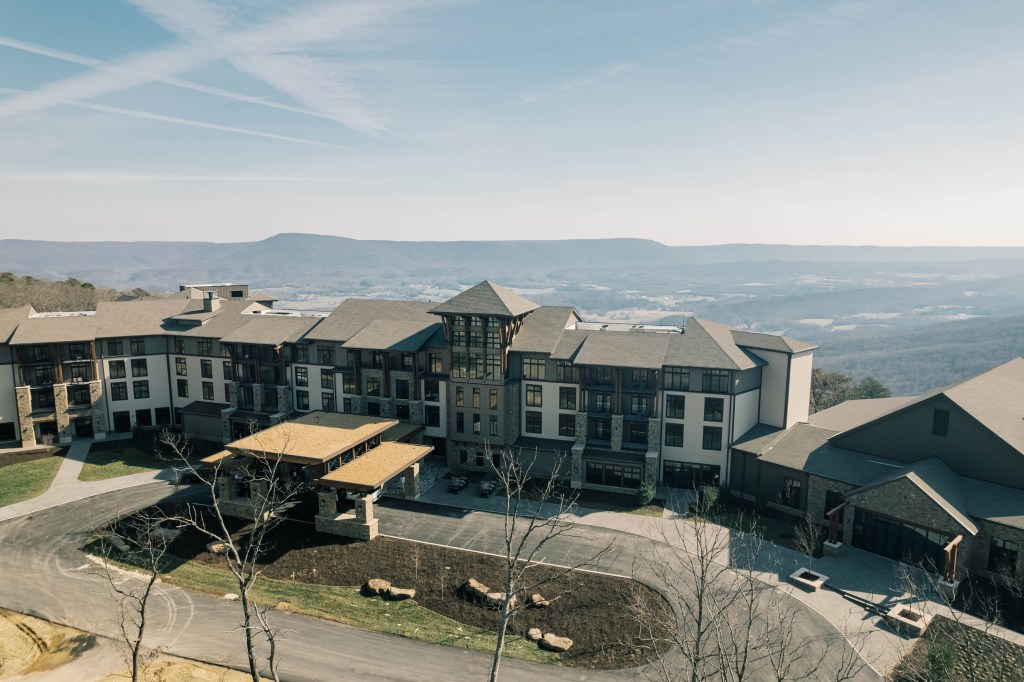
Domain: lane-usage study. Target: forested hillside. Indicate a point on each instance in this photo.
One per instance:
(49, 296)
(912, 362)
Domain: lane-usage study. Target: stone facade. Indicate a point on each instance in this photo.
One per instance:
(817, 487)
(513, 412)
(581, 428)
(60, 404)
(387, 407)
(257, 397)
(617, 429)
(577, 465)
(976, 561)
(284, 400)
(412, 482)
(23, 396)
(416, 412)
(99, 415)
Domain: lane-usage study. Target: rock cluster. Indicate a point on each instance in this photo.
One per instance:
(384, 588)
(477, 591)
(538, 602)
(534, 634)
(553, 642)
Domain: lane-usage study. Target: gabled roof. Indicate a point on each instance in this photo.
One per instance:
(542, 329)
(10, 318)
(486, 298)
(623, 349)
(993, 398)
(394, 335)
(708, 344)
(353, 314)
(271, 330)
(54, 328)
(853, 413)
(142, 317)
(773, 342)
(932, 477)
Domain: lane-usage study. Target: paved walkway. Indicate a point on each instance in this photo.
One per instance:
(67, 488)
(862, 575)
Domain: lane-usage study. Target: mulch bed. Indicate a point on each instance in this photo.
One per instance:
(589, 608)
(8, 458)
(979, 656)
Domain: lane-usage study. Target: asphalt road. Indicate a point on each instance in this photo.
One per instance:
(44, 573)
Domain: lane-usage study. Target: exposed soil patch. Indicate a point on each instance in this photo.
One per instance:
(8, 458)
(591, 609)
(951, 652)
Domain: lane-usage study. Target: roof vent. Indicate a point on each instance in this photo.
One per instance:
(211, 302)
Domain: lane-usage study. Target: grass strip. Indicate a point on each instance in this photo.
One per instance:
(25, 480)
(347, 605)
(114, 463)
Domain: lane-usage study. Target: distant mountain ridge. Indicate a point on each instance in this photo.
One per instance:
(296, 259)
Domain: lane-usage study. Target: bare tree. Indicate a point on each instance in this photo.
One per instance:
(807, 538)
(243, 552)
(142, 543)
(536, 513)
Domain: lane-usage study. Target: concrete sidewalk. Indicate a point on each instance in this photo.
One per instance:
(862, 575)
(67, 488)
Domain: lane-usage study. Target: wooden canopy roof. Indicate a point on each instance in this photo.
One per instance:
(378, 466)
(314, 438)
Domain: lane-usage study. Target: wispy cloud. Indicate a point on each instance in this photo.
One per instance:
(121, 177)
(273, 51)
(828, 14)
(147, 115)
(598, 76)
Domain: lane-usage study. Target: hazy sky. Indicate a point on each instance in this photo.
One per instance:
(685, 121)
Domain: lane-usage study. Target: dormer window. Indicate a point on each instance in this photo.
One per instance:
(940, 423)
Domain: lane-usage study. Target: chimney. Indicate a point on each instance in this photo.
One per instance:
(211, 302)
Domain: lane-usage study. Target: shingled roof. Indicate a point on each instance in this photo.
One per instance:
(10, 318)
(773, 342)
(353, 314)
(486, 298)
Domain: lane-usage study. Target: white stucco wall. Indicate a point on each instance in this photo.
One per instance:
(799, 388)
(745, 416)
(773, 387)
(159, 391)
(8, 398)
(693, 431)
(549, 409)
(440, 431)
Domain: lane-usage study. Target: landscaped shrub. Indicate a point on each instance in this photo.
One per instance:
(645, 495)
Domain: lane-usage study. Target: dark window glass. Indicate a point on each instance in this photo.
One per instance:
(431, 391)
(182, 388)
(675, 407)
(206, 369)
(140, 389)
(119, 390)
(674, 435)
(713, 409)
(301, 376)
(534, 422)
(534, 395)
(567, 425)
(940, 422)
(712, 438)
(207, 390)
(115, 347)
(117, 369)
(302, 400)
(566, 398)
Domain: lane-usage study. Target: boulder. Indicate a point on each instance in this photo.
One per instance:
(398, 593)
(217, 548)
(538, 602)
(555, 643)
(496, 599)
(376, 586)
(476, 590)
(534, 634)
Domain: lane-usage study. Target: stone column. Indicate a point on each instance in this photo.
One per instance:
(226, 487)
(617, 427)
(284, 400)
(233, 394)
(651, 468)
(358, 404)
(225, 424)
(387, 407)
(581, 428)
(328, 500)
(577, 466)
(412, 482)
(257, 397)
(258, 492)
(23, 395)
(364, 510)
(99, 415)
(416, 412)
(60, 408)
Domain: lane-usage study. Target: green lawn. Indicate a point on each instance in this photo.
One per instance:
(347, 605)
(25, 480)
(101, 464)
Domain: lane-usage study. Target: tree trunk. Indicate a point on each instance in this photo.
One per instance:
(250, 645)
(502, 628)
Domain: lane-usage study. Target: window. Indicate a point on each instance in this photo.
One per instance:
(475, 321)
(119, 390)
(566, 373)
(115, 347)
(534, 422)
(476, 338)
(638, 405)
(327, 400)
(229, 370)
(407, 361)
(302, 376)
(435, 363)
(348, 384)
(325, 355)
(431, 391)
(494, 399)
(458, 365)
(458, 337)
(476, 423)
(602, 428)
(327, 378)
(566, 398)
(712, 438)
(77, 351)
(460, 422)
(601, 375)
(493, 366)
(402, 412)
(373, 409)
(637, 432)
(402, 389)
(675, 407)
(302, 353)
(940, 422)
(180, 367)
(225, 351)
(163, 416)
(463, 456)
(116, 369)
(479, 459)
(476, 366)
(493, 339)
(179, 345)
(674, 435)
(301, 400)
(689, 475)
(833, 498)
(459, 321)
(613, 474)
(207, 390)
(460, 396)
(713, 408)
(493, 419)
(476, 398)
(600, 402)
(346, 405)
(204, 346)
(900, 541)
(78, 371)
(144, 417)
(567, 425)
(206, 369)
(182, 388)
(42, 399)
(377, 359)
(40, 354)
(534, 395)
(433, 413)
(139, 368)
(1002, 557)
(138, 345)
(639, 378)
(373, 386)
(140, 389)
(533, 368)
(789, 496)
(715, 381)
(44, 375)
(79, 395)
